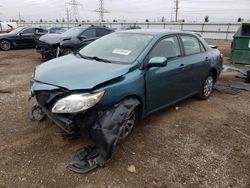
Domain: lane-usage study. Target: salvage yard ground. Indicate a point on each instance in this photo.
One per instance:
(199, 144)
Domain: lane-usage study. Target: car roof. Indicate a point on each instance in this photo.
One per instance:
(94, 26)
(155, 32)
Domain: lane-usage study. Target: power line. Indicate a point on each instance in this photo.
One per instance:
(101, 10)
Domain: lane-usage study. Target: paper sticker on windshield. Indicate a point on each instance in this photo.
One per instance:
(121, 51)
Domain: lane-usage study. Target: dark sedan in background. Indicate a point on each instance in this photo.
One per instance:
(53, 45)
(22, 37)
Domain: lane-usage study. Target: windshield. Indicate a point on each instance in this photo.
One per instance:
(118, 47)
(17, 30)
(73, 32)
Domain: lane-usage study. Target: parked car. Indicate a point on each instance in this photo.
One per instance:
(53, 45)
(119, 79)
(21, 37)
(6, 27)
(58, 30)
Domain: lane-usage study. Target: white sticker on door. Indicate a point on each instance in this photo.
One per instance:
(121, 51)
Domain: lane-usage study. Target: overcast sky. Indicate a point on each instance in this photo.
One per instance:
(131, 10)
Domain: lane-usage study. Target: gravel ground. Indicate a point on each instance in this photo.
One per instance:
(199, 144)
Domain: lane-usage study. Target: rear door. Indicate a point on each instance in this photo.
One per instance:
(166, 85)
(196, 62)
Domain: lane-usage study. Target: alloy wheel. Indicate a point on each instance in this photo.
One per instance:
(5, 45)
(128, 126)
(208, 86)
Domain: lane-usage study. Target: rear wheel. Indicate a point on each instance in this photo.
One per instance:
(207, 87)
(5, 45)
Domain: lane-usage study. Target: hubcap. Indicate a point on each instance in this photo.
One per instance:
(5, 45)
(208, 86)
(127, 126)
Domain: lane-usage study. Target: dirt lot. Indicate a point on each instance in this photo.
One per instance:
(201, 144)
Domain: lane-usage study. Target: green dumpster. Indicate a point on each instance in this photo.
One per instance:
(240, 49)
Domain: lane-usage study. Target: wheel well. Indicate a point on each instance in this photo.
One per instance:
(140, 106)
(68, 47)
(6, 40)
(214, 73)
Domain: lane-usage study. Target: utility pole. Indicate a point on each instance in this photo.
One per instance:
(20, 17)
(74, 9)
(176, 10)
(101, 10)
(67, 16)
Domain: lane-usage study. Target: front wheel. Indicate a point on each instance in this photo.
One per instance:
(207, 87)
(5, 45)
(128, 125)
(67, 51)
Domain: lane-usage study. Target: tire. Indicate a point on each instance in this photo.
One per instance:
(67, 51)
(207, 87)
(5, 45)
(128, 126)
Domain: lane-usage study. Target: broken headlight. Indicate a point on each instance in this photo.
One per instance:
(77, 102)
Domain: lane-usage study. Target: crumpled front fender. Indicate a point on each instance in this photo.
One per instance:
(38, 86)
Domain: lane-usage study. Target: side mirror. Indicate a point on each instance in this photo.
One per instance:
(157, 62)
(20, 34)
(82, 37)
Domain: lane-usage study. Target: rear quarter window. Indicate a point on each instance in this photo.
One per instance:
(89, 33)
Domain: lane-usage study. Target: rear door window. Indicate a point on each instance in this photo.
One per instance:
(191, 45)
(90, 33)
(101, 32)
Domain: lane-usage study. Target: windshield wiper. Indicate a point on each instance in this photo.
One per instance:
(100, 59)
(84, 57)
(94, 57)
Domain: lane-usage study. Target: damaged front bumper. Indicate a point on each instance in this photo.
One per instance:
(46, 97)
(48, 51)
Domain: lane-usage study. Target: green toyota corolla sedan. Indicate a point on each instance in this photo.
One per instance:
(106, 87)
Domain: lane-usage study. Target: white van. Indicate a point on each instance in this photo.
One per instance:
(7, 26)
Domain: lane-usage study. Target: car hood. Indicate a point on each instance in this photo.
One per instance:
(75, 73)
(52, 38)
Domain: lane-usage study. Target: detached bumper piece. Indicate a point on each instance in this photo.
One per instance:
(105, 133)
(85, 160)
(37, 114)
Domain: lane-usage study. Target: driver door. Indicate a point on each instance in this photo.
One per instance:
(26, 38)
(166, 85)
(88, 36)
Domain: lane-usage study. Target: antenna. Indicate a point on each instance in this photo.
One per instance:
(101, 10)
(74, 9)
